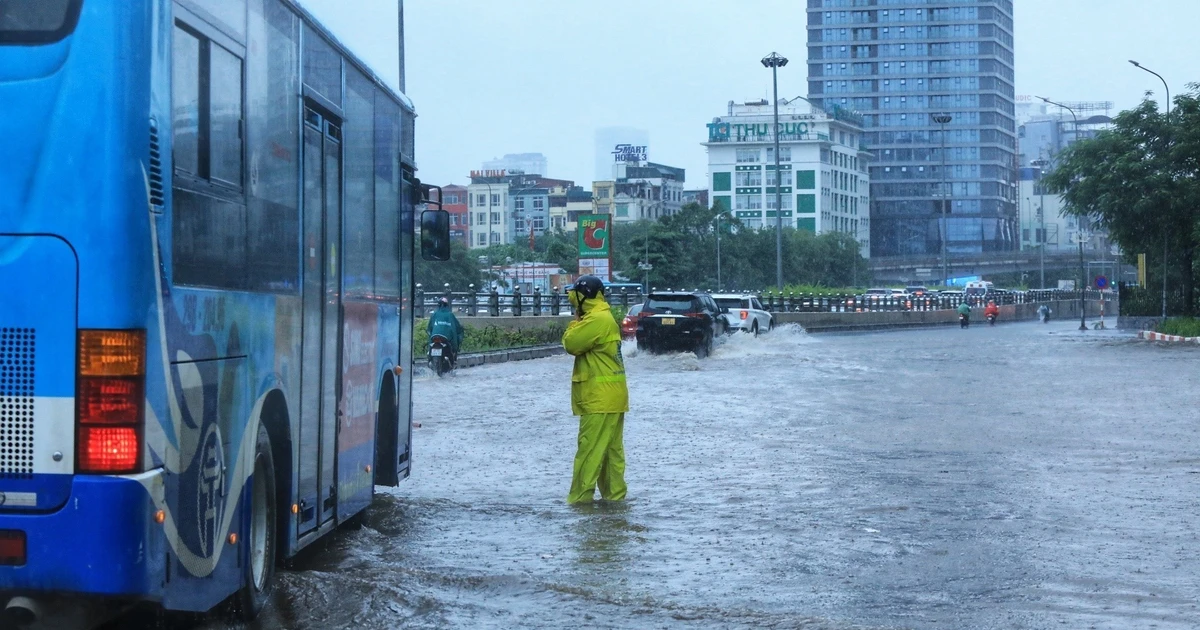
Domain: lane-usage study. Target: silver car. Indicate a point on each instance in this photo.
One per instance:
(744, 312)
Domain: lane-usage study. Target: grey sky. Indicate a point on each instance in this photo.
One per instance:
(490, 77)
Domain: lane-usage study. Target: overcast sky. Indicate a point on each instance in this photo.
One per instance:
(491, 77)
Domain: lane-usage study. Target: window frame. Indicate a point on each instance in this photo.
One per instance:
(203, 181)
(26, 37)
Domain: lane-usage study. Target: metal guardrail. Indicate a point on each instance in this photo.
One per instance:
(494, 304)
(516, 304)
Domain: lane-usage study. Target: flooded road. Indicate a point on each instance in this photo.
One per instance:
(1022, 476)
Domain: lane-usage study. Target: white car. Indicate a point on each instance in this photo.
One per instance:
(744, 312)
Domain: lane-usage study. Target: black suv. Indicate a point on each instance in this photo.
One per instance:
(679, 320)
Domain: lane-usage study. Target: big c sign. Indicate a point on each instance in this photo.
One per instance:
(595, 235)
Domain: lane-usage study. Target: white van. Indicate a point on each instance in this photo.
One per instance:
(978, 289)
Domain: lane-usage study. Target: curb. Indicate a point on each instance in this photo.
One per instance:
(1154, 336)
(474, 359)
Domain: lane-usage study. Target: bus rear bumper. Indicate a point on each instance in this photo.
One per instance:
(103, 542)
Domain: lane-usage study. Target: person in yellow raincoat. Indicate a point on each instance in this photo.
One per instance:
(598, 393)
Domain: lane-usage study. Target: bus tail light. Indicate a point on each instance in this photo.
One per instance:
(12, 547)
(110, 400)
(112, 352)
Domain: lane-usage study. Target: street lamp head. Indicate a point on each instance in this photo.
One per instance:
(774, 60)
(942, 119)
(1136, 64)
(1043, 98)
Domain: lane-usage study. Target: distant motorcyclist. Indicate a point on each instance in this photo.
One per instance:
(964, 314)
(443, 322)
(1044, 313)
(991, 310)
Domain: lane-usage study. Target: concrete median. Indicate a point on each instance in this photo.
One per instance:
(850, 322)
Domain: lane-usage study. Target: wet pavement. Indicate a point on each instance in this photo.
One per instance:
(1022, 476)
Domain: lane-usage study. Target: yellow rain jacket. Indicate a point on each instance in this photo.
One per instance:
(598, 380)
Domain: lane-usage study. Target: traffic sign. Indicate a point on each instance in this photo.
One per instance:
(1101, 282)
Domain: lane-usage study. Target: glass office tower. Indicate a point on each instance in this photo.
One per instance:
(900, 62)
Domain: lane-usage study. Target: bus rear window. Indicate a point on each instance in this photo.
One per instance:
(37, 21)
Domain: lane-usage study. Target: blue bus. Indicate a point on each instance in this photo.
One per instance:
(207, 234)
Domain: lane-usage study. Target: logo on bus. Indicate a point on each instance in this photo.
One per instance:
(210, 489)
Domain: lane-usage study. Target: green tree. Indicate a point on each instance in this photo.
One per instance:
(1140, 181)
(682, 249)
(460, 271)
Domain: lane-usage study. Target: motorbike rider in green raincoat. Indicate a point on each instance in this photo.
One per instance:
(443, 322)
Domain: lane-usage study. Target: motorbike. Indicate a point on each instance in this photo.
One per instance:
(1044, 316)
(964, 320)
(991, 319)
(441, 355)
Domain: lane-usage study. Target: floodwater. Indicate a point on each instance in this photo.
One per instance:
(1022, 476)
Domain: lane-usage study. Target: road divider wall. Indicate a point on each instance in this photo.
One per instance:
(524, 322)
(848, 322)
(845, 321)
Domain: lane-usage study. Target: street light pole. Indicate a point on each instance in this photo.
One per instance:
(1040, 164)
(774, 61)
(1082, 326)
(1082, 287)
(943, 119)
(1165, 230)
(1042, 236)
(718, 252)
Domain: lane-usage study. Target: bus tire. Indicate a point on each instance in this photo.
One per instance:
(261, 544)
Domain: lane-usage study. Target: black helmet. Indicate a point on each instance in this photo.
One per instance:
(588, 287)
(443, 301)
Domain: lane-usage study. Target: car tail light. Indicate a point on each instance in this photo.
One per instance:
(110, 400)
(695, 315)
(745, 314)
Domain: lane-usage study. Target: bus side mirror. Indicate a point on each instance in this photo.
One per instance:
(435, 235)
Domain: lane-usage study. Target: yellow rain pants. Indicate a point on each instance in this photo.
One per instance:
(600, 459)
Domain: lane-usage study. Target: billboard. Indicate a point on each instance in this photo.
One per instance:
(595, 235)
(595, 245)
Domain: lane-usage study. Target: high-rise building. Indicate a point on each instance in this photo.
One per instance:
(822, 168)
(899, 62)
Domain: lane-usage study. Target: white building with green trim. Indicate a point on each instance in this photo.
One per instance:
(824, 185)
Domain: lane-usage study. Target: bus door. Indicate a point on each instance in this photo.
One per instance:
(322, 305)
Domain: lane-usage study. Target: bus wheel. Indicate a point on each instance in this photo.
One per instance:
(260, 538)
